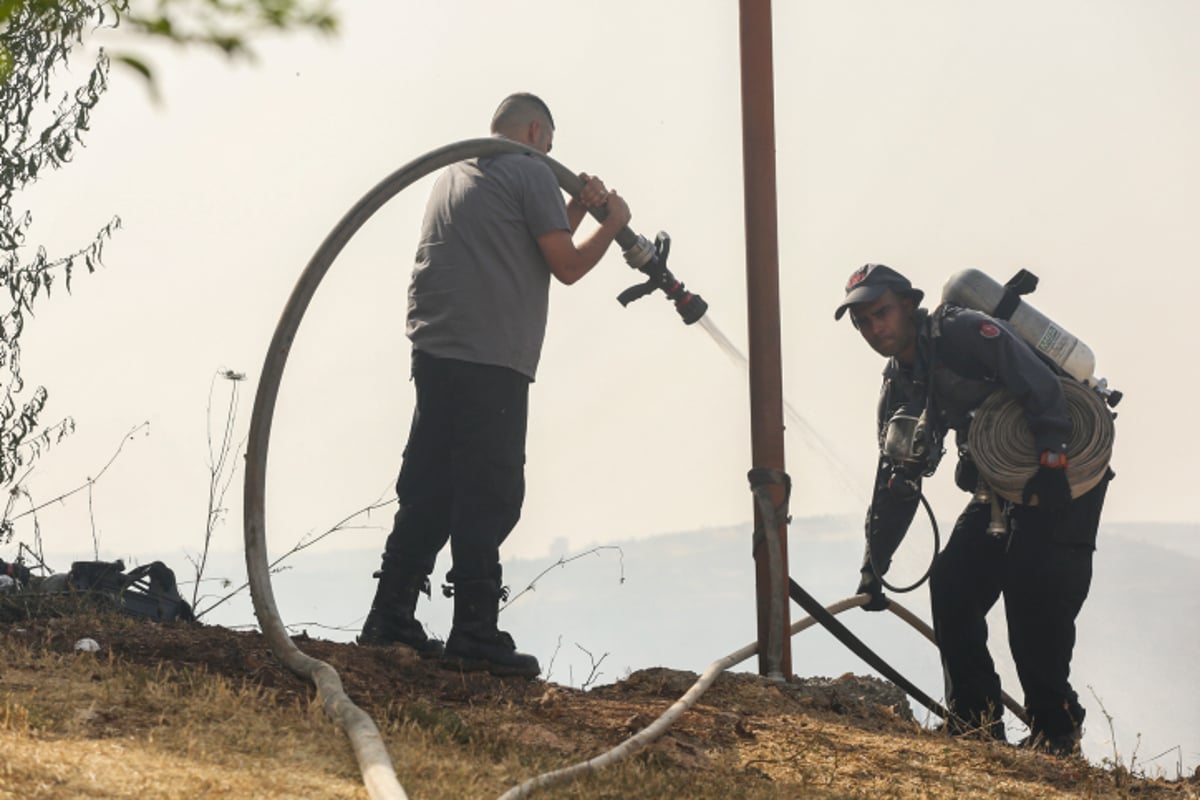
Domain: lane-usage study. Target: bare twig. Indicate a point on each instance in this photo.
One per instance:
(1178, 751)
(38, 560)
(304, 543)
(1120, 771)
(37, 536)
(301, 626)
(219, 476)
(562, 562)
(92, 519)
(595, 674)
(553, 656)
(18, 491)
(6, 527)
(86, 485)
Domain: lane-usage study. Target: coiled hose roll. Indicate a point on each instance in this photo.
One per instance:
(1002, 445)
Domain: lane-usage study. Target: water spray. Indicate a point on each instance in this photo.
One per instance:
(371, 753)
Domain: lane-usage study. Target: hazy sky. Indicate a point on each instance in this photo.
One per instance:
(930, 136)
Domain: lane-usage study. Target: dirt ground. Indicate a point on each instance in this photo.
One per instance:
(570, 720)
(853, 729)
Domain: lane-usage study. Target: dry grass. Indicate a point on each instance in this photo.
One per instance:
(74, 725)
(190, 711)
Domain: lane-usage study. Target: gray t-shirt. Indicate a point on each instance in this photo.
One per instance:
(480, 288)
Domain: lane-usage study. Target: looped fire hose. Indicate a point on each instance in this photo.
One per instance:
(378, 774)
(1003, 449)
(655, 729)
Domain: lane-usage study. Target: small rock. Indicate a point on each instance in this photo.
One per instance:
(86, 645)
(635, 723)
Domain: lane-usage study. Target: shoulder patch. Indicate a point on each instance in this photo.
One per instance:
(988, 330)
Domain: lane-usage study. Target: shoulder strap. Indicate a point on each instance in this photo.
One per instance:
(1024, 282)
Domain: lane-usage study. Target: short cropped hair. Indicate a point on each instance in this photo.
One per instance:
(519, 109)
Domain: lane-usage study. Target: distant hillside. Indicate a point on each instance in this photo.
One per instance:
(1180, 537)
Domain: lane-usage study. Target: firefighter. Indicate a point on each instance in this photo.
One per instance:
(941, 365)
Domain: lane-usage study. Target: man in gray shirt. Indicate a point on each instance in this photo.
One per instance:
(495, 230)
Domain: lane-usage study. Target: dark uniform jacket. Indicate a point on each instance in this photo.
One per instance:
(963, 357)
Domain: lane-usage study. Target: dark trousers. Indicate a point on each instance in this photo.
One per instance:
(463, 474)
(1043, 568)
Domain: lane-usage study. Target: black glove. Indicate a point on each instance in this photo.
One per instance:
(966, 475)
(903, 488)
(1050, 486)
(869, 584)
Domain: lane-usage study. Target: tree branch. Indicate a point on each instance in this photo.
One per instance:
(302, 544)
(562, 562)
(86, 485)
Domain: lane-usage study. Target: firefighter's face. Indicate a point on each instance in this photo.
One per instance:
(888, 326)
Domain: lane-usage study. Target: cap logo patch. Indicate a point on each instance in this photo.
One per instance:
(857, 277)
(988, 331)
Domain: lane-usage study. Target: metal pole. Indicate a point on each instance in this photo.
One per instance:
(762, 292)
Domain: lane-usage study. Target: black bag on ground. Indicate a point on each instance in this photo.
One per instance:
(148, 591)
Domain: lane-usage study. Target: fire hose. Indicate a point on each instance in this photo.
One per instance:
(1002, 446)
(370, 752)
(649, 258)
(655, 729)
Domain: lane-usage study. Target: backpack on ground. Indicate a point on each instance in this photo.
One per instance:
(148, 591)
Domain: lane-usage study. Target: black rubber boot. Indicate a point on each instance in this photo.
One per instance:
(986, 726)
(1063, 745)
(1056, 730)
(475, 643)
(391, 620)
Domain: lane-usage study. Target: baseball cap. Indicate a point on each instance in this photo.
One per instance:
(870, 281)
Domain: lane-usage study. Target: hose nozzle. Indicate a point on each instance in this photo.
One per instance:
(652, 260)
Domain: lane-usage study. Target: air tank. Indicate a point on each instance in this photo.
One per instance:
(974, 289)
